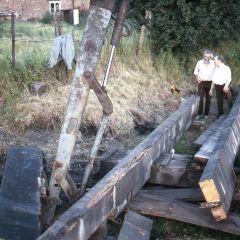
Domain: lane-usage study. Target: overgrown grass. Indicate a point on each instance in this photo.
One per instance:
(139, 88)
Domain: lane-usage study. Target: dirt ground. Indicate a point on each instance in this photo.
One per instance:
(47, 140)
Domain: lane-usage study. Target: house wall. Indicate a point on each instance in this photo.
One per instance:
(26, 9)
(34, 9)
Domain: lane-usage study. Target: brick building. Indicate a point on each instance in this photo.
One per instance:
(34, 9)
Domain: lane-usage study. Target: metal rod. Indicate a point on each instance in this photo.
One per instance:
(106, 77)
(93, 153)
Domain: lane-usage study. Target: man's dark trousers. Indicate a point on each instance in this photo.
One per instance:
(220, 97)
(203, 89)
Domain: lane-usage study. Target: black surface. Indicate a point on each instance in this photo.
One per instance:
(20, 195)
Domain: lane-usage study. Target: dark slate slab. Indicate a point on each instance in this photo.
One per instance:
(20, 194)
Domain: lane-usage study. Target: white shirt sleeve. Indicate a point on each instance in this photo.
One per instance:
(228, 75)
(196, 71)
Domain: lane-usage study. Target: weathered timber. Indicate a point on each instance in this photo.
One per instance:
(185, 212)
(109, 160)
(218, 180)
(207, 148)
(177, 171)
(135, 227)
(110, 195)
(208, 132)
(180, 194)
(89, 53)
(20, 194)
(101, 232)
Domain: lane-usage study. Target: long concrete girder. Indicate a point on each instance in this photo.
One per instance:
(109, 196)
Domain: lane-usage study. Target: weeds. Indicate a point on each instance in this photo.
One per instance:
(139, 88)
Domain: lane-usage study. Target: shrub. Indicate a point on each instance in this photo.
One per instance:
(47, 18)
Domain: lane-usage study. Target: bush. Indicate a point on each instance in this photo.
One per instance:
(188, 25)
(47, 18)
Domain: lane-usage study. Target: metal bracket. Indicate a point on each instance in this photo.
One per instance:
(102, 96)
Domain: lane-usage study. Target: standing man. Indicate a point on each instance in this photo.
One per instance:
(204, 72)
(221, 80)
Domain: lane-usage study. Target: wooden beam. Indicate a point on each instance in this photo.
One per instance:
(135, 227)
(207, 148)
(180, 194)
(178, 171)
(185, 212)
(208, 132)
(218, 180)
(109, 196)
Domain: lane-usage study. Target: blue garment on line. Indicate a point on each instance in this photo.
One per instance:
(63, 49)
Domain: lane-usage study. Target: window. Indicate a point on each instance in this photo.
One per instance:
(54, 6)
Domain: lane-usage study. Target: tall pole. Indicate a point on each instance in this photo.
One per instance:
(13, 40)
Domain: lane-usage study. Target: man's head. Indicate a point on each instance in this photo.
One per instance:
(218, 59)
(207, 56)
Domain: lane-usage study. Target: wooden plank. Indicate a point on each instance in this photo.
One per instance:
(180, 194)
(208, 132)
(207, 148)
(20, 194)
(218, 180)
(178, 171)
(185, 212)
(109, 196)
(135, 227)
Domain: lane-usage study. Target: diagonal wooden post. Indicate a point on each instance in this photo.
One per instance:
(89, 53)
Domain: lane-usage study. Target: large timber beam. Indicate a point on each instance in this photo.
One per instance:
(185, 212)
(218, 180)
(109, 196)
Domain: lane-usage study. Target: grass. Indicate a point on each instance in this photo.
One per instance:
(139, 89)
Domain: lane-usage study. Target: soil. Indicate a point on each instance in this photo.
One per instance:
(47, 140)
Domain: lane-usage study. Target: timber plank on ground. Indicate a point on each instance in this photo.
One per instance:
(135, 227)
(207, 148)
(180, 194)
(20, 194)
(208, 132)
(179, 171)
(185, 212)
(110, 195)
(218, 179)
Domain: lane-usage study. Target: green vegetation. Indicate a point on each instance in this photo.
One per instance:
(187, 26)
(131, 73)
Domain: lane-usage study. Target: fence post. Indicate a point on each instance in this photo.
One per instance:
(143, 29)
(58, 24)
(13, 40)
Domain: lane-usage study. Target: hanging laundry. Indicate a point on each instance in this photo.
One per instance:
(63, 49)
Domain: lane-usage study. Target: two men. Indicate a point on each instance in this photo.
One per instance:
(211, 73)
(204, 74)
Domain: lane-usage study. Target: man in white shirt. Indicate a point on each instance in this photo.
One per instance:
(204, 72)
(221, 80)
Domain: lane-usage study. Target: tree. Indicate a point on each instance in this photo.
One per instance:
(187, 25)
